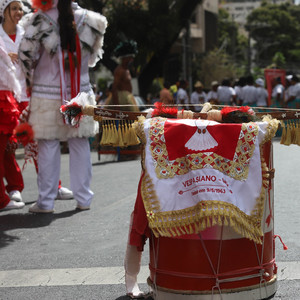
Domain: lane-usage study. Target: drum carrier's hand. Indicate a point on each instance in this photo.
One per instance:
(14, 57)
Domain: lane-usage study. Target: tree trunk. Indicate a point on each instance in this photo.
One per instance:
(151, 70)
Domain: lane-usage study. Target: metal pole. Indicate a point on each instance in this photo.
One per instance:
(189, 58)
(184, 55)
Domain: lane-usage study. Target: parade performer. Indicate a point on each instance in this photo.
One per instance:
(60, 43)
(9, 114)
(122, 87)
(12, 31)
(11, 34)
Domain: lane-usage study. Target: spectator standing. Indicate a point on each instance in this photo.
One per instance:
(249, 92)
(239, 89)
(198, 97)
(277, 93)
(212, 95)
(182, 99)
(165, 94)
(288, 87)
(293, 100)
(261, 93)
(226, 94)
(122, 86)
(78, 39)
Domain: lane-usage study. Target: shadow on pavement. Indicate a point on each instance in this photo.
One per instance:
(28, 220)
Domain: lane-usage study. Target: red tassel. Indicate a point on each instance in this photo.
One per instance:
(228, 109)
(283, 244)
(24, 133)
(162, 110)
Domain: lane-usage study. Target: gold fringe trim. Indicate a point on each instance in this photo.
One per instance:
(139, 129)
(271, 129)
(205, 214)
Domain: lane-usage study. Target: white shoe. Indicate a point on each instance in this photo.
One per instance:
(14, 205)
(15, 196)
(80, 207)
(64, 194)
(35, 209)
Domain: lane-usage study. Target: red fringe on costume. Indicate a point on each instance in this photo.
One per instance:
(9, 112)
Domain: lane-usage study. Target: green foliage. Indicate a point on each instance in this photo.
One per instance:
(229, 39)
(275, 29)
(278, 60)
(216, 65)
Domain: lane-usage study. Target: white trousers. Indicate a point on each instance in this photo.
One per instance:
(80, 168)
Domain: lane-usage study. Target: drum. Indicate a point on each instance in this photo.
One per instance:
(218, 263)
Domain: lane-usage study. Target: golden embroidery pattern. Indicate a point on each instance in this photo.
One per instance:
(203, 215)
(238, 168)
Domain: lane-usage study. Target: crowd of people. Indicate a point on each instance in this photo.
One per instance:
(243, 91)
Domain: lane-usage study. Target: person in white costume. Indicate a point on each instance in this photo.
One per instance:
(198, 97)
(55, 56)
(11, 32)
(261, 93)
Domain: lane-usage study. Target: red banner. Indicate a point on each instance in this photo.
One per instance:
(270, 75)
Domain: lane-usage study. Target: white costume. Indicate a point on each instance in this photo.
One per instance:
(12, 47)
(198, 98)
(225, 94)
(249, 95)
(182, 96)
(40, 54)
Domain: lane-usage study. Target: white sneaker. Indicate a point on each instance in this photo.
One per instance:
(14, 205)
(80, 207)
(15, 196)
(64, 194)
(35, 209)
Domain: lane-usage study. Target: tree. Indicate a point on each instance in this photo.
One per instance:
(275, 28)
(155, 26)
(216, 65)
(230, 41)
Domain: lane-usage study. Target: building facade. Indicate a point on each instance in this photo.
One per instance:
(240, 9)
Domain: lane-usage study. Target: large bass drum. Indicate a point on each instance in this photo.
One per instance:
(217, 264)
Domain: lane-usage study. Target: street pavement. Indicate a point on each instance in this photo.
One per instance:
(79, 255)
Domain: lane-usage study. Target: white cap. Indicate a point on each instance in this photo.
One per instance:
(260, 82)
(289, 77)
(4, 4)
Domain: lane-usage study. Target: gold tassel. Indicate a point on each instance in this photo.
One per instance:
(104, 134)
(109, 133)
(133, 139)
(283, 136)
(293, 133)
(114, 135)
(120, 136)
(298, 133)
(125, 135)
(288, 139)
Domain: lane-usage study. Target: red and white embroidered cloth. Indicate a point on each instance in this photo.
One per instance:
(200, 173)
